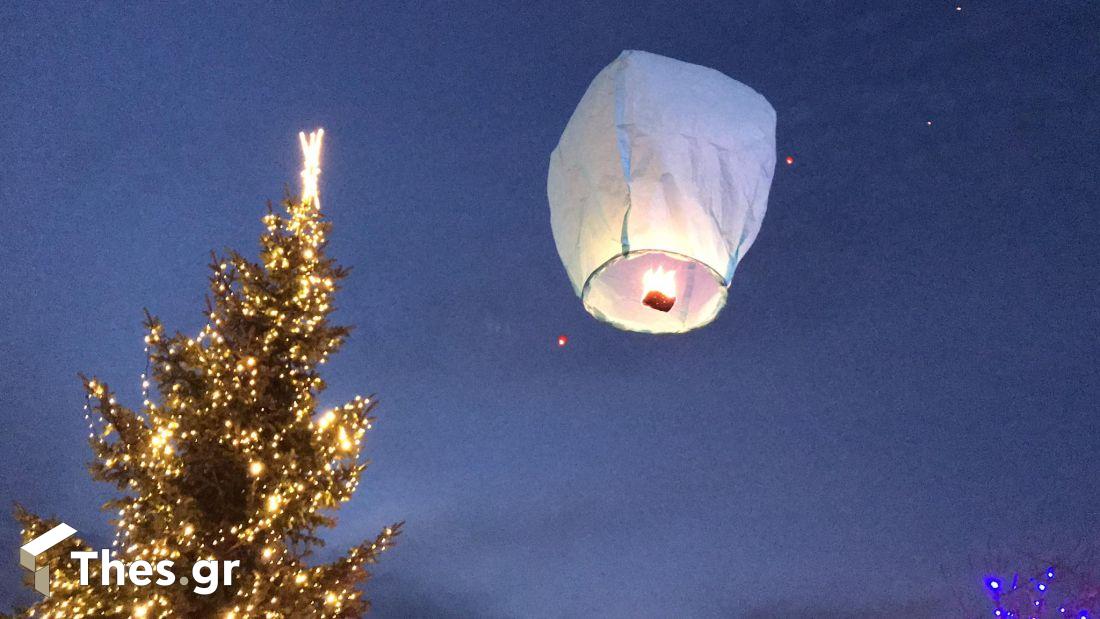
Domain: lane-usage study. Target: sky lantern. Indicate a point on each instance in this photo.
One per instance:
(657, 189)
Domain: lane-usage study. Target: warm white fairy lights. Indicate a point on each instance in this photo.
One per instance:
(227, 458)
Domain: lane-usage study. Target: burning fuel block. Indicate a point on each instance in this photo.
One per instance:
(659, 301)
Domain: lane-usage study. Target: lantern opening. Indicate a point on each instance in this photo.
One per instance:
(686, 293)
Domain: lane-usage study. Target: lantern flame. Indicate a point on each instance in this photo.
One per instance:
(311, 165)
(660, 289)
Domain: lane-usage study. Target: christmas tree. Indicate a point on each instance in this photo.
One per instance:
(231, 460)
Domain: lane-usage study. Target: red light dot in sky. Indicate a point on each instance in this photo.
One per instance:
(563, 340)
(790, 160)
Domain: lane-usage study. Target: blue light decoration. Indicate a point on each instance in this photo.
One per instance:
(1014, 599)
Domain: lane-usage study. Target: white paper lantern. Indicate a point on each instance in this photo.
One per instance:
(664, 167)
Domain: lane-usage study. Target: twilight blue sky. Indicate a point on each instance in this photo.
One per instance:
(906, 370)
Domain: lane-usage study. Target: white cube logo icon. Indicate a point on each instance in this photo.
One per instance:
(29, 553)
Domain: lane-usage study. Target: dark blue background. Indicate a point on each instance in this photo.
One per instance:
(906, 370)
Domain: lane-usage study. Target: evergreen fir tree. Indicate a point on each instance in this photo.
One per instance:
(232, 460)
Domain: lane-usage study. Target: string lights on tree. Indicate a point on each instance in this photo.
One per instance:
(232, 459)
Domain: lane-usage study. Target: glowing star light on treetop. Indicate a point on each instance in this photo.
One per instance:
(658, 188)
(311, 164)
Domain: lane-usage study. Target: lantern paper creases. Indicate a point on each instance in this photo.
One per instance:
(665, 166)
